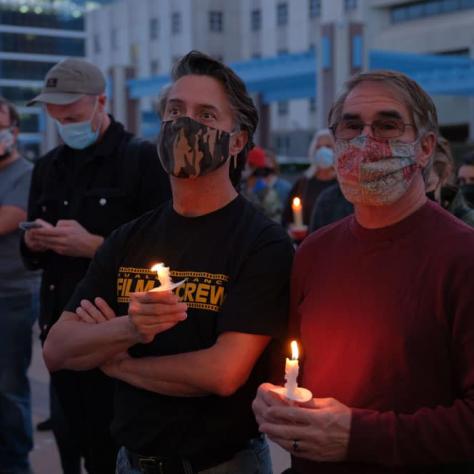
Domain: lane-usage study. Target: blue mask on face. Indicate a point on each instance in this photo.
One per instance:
(324, 157)
(78, 135)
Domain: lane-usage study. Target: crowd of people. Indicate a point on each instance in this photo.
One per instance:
(183, 374)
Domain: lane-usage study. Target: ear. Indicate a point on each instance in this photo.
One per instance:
(427, 148)
(102, 102)
(15, 132)
(238, 142)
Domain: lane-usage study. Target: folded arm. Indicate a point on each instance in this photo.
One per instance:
(221, 369)
(73, 344)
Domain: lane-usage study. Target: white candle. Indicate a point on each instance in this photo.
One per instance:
(163, 275)
(297, 208)
(291, 371)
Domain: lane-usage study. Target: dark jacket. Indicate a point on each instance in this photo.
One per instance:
(102, 187)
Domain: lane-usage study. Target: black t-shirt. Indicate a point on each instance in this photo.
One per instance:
(237, 264)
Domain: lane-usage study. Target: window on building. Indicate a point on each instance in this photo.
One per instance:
(314, 7)
(154, 67)
(427, 8)
(350, 5)
(175, 23)
(40, 44)
(312, 105)
(216, 21)
(283, 107)
(114, 39)
(256, 20)
(283, 144)
(28, 70)
(96, 44)
(19, 95)
(282, 14)
(154, 28)
(52, 20)
(30, 122)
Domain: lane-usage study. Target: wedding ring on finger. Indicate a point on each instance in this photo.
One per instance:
(295, 446)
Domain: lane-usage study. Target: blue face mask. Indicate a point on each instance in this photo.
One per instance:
(324, 157)
(79, 135)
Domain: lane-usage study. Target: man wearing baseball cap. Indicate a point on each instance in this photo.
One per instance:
(98, 179)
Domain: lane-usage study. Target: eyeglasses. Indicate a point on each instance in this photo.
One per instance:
(381, 128)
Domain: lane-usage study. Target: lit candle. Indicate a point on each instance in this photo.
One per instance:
(297, 208)
(291, 371)
(163, 275)
(291, 391)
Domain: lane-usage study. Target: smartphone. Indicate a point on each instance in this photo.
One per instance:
(27, 225)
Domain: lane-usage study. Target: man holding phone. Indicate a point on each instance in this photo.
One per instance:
(18, 297)
(98, 179)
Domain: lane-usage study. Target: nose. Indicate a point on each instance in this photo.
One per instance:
(367, 130)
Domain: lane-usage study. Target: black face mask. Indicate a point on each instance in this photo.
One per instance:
(468, 193)
(188, 149)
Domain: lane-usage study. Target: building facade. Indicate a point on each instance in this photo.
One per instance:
(142, 39)
(33, 37)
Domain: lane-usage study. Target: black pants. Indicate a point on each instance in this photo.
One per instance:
(86, 402)
(67, 443)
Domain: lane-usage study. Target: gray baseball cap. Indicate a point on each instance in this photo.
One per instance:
(68, 81)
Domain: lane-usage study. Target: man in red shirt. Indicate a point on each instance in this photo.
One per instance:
(382, 302)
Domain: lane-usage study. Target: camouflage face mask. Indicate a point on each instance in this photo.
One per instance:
(188, 149)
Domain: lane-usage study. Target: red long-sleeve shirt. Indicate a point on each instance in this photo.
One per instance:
(386, 319)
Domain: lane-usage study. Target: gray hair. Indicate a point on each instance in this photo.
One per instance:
(418, 102)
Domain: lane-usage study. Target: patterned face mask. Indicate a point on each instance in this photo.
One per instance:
(188, 149)
(375, 172)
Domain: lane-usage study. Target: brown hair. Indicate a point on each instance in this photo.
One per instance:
(12, 111)
(419, 103)
(242, 104)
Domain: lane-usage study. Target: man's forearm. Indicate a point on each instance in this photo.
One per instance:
(220, 369)
(72, 344)
(127, 373)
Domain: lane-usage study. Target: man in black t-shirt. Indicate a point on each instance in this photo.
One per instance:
(187, 362)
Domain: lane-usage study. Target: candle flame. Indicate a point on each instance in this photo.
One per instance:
(156, 267)
(296, 202)
(294, 350)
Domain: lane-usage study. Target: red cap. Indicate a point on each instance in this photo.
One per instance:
(256, 157)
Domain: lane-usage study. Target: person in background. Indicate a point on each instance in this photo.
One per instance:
(260, 184)
(440, 185)
(18, 301)
(466, 179)
(330, 207)
(98, 179)
(274, 179)
(382, 302)
(319, 176)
